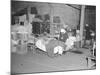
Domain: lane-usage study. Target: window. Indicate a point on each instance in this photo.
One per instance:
(22, 23)
(33, 10)
(56, 19)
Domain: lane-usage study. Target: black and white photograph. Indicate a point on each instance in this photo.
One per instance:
(52, 37)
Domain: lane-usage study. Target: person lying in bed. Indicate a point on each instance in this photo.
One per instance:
(50, 45)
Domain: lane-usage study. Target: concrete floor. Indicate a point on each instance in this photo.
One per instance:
(40, 62)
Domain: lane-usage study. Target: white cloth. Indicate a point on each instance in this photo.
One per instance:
(22, 29)
(78, 38)
(77, 31)
(92, 34)
(22, 18)
(58, 49)
(40, 44)
(28, 27)
(70, 42)
(13, 47)
(63, 31)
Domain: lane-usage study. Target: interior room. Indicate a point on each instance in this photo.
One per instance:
(51, 37)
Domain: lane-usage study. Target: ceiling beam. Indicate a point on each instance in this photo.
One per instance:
(73, 7)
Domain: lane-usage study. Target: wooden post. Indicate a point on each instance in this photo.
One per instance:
(28, 14)
(82, 23)
(51, 18)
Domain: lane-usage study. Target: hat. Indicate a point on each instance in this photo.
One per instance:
(63, 30)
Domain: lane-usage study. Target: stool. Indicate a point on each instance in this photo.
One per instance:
(31, 47)
(90, 60)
